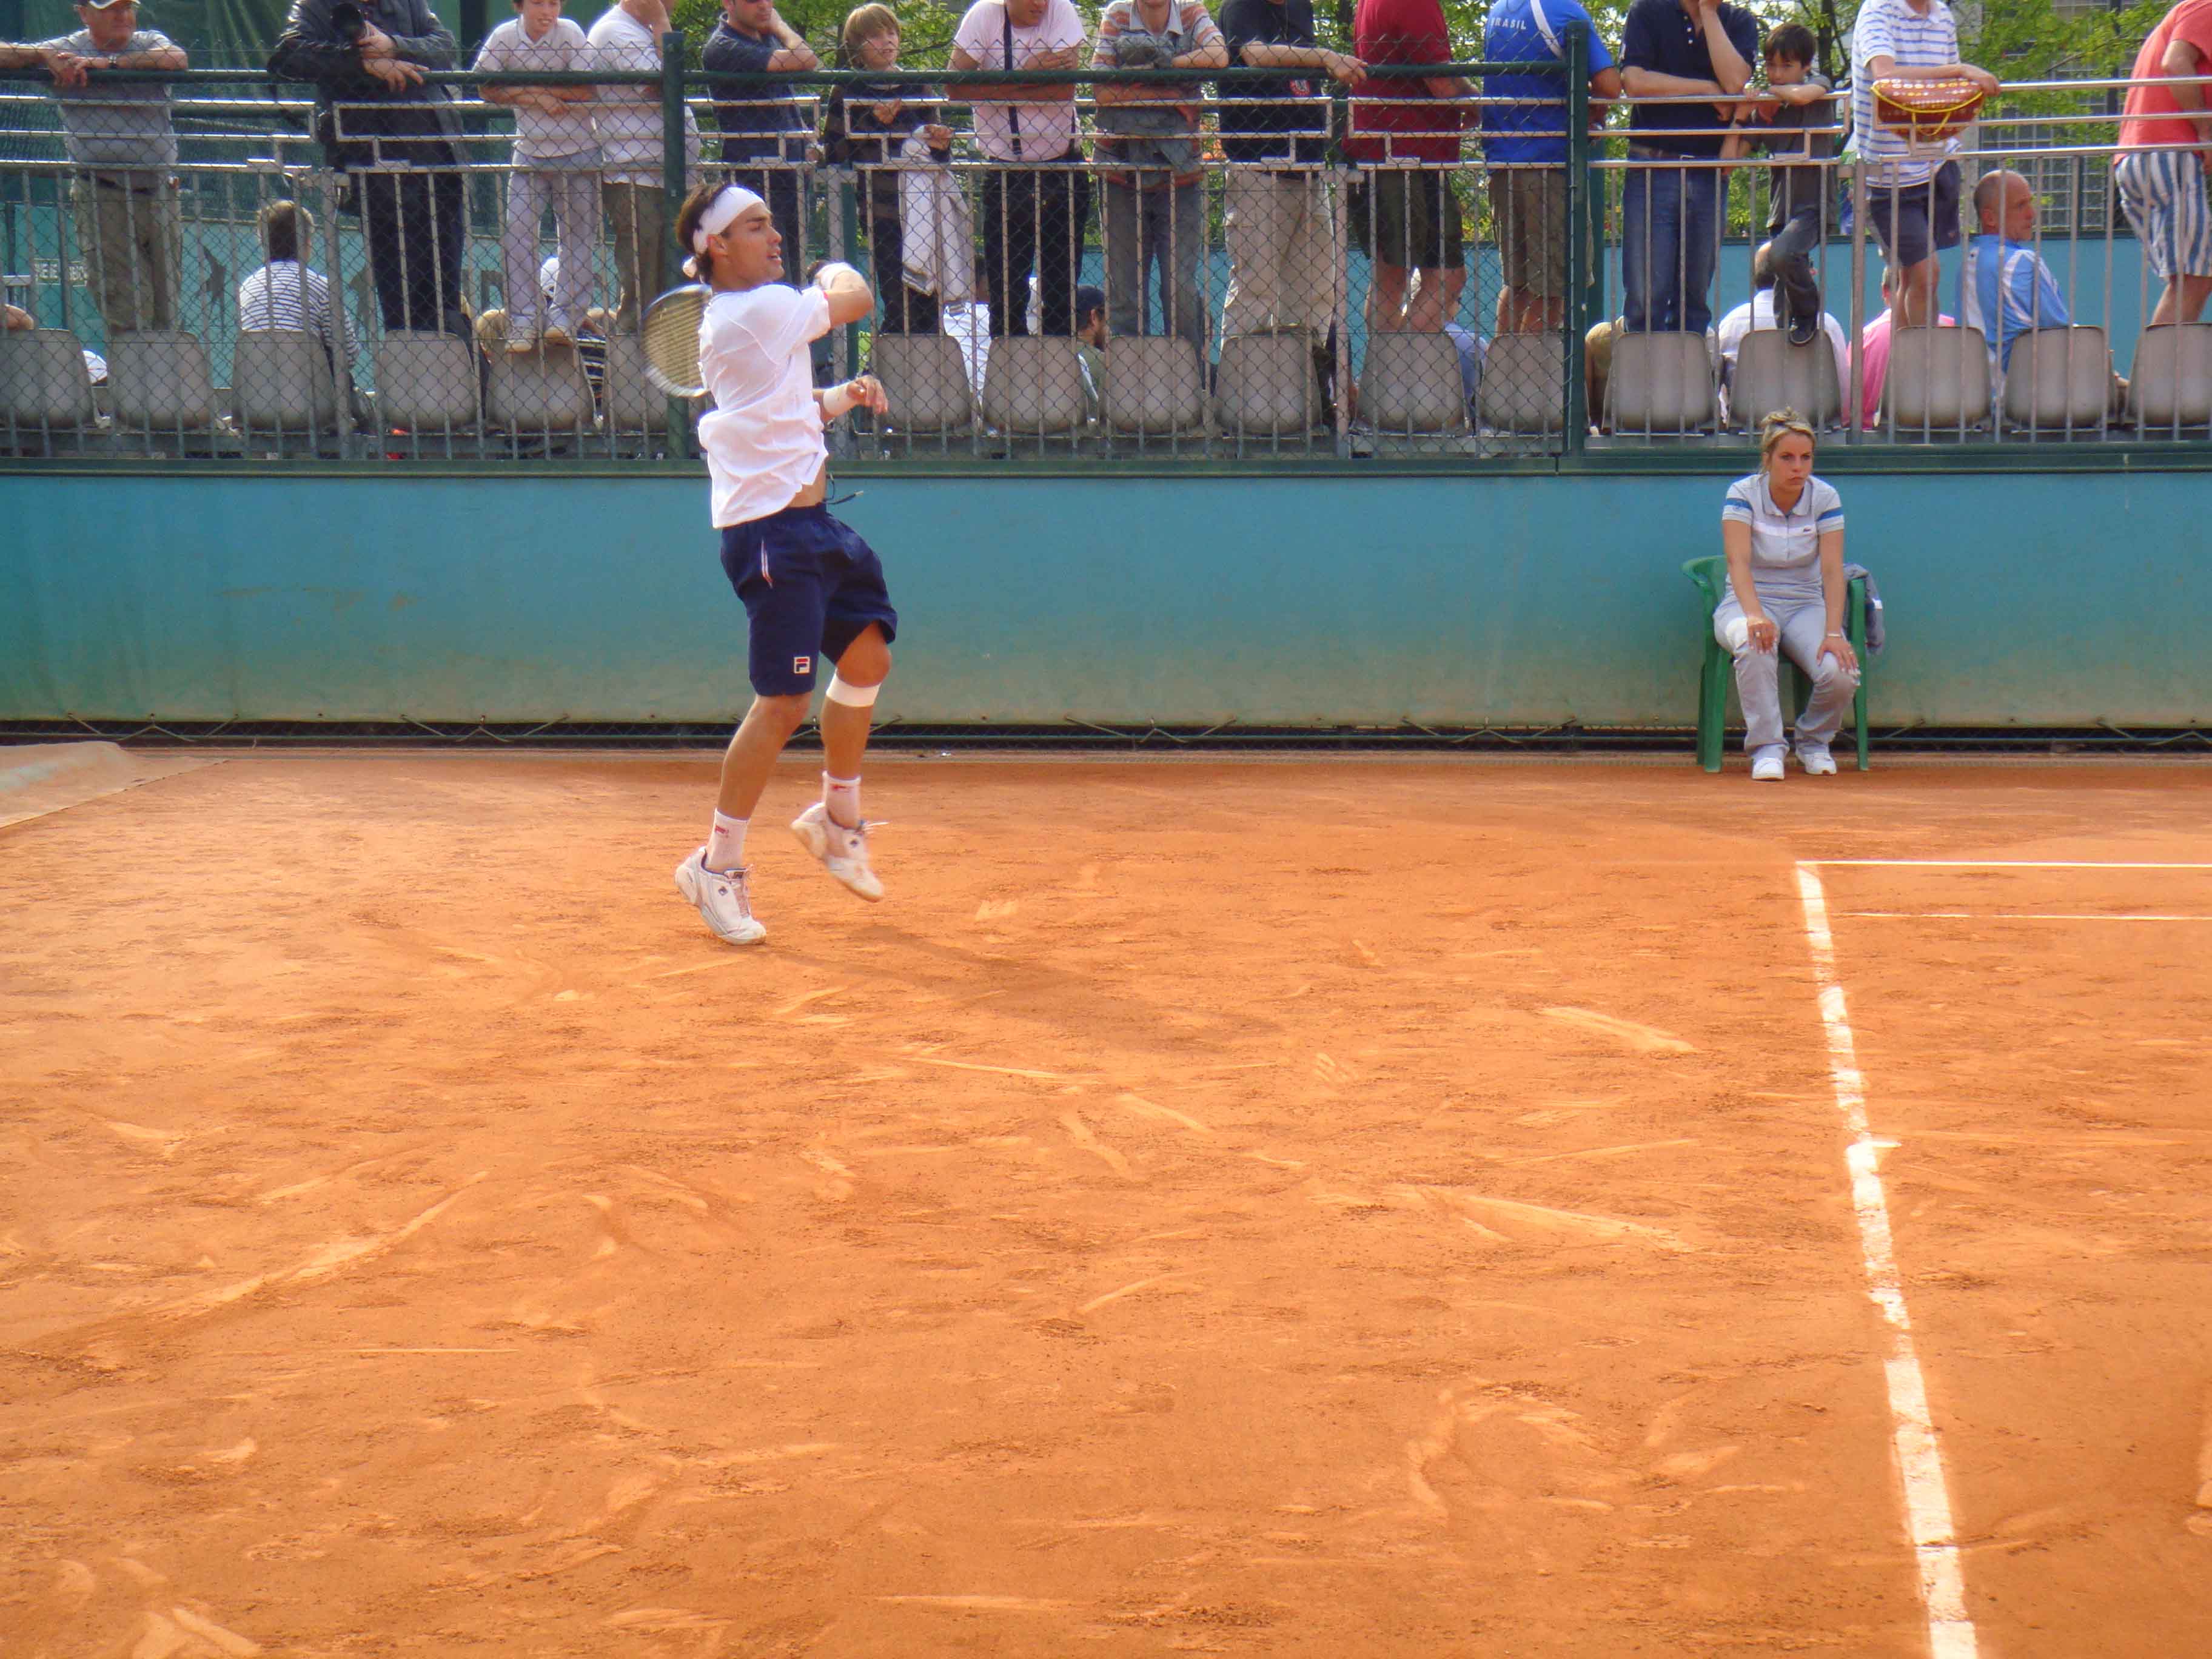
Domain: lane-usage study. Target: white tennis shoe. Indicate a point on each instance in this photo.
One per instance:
(1815, 759)
(1766, 768)
(724, 904)
(843, 852)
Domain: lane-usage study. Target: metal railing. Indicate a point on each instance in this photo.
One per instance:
(1225, 311)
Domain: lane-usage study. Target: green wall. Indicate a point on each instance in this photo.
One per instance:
(2035, 598)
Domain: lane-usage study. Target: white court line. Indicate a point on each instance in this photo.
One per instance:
(2014, 916)
(1998, 864)
(1919, 1458)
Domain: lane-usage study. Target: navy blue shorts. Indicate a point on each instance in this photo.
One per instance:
(809, 586)
(1915, 221)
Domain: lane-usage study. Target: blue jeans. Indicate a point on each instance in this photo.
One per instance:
(1671, 229)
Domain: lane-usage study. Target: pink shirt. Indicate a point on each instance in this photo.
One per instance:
(2191, 20)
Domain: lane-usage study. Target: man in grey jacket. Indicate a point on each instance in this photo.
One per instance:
(366, 59)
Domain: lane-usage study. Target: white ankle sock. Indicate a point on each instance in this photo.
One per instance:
(842, 797)
(725, 843)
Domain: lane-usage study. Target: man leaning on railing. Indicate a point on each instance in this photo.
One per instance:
(376, 115)
(125, 148)
(2161, 187)
(627, 37)
(1406, 219)
(766, 135)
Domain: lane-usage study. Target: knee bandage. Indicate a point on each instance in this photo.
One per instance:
(853, 696)
(1735, 632)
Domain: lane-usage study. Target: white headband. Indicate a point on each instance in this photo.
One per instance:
(729, 204)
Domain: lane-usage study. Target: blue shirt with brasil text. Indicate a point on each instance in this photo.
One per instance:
(1512, 36)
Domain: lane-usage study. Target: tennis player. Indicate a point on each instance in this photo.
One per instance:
(814, 591)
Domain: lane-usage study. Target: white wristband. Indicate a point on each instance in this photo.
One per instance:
(837, 399)
(831, 272)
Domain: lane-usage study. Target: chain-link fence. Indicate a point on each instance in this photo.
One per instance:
(1128, 250)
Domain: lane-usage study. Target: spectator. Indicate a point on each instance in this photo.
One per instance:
(1091, 343)
(286, 294)
(1526, 145)
(2163, 191)
(632, 183)
(119, 139)
(1597, 363)
(1155, 212)
(968, 321)
(1912, 202)
(1037, 201)
(1408, 219)
(366, 58)
(556, 162)
(866, 126)
(2006, 289)
(1282, 271)
(1670, 217)
(1874, 352)
(1782, 530)
(1796, 98)
(766, 135)
(14, 320)
(1761, 310)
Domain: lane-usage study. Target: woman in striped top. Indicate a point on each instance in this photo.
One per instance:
(1782, 530)
(284, 293)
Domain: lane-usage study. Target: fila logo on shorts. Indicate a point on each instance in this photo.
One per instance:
(802, 664)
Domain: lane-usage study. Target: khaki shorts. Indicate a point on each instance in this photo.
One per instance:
(1407, 217)
(1530, 207)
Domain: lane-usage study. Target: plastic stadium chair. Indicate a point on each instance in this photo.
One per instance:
(1772, 373)
(1033, 386)
(1151, 385)
(2170, 390)
(281, 382)
(426, 383)
(43, 387)
(1938, 381)
(2059, 378)
(1662, 384)
(1522, 376)
(926, 378)
(160, 384)
(629, 401)
(1715, 670)
(1266, 390)
(1410, 385)
(540, 394)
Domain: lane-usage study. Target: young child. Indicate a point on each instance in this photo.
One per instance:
(556, 163)
(1796, 98)
(866, 124)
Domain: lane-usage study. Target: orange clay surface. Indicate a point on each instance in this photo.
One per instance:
(1345, 1208)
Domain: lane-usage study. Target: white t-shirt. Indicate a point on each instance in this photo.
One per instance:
(1785, 547)
(1047, 131)
(1910, 40)
(763, 436)
(630, 116)
(539, 137)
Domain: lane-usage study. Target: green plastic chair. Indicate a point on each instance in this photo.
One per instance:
(1710, 575)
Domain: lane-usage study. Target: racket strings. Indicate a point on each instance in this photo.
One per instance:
(670, 336)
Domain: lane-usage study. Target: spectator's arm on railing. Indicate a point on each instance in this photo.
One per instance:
(431, 46)
(311, 48)
(1068, 57)
(1339, 66)
(1883, 67)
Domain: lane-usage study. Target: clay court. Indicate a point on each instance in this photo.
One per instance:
(1294, 1208)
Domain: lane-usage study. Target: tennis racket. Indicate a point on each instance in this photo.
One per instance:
(671, 337)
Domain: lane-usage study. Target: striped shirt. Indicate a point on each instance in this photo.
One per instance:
(1785, 547)
(283, 294)
(1912, 39)
(2008, 291)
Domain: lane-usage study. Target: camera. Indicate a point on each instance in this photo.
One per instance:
(346, 18)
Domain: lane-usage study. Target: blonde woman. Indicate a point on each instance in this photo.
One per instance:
(1782, 532)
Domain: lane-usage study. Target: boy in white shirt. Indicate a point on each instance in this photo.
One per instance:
(557, 162)
(811, 587)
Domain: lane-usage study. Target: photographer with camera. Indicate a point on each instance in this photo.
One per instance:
(380, 121)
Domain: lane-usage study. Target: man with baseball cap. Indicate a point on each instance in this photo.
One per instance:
(124, 149)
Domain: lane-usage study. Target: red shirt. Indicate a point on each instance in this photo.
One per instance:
(1408, 32)
(2190, 21)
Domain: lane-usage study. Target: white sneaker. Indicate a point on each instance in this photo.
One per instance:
(844, 853)
(724, 904)
(1815, 759)
(1767, 768)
